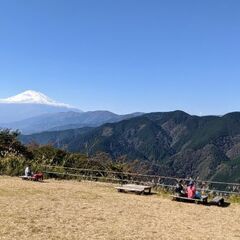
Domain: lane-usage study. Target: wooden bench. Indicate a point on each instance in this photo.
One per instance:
(36, 177)
(26, 177)
(219, 201)
(203, 200)
(140, 189)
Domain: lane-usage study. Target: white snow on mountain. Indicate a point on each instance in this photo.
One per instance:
(33, 97)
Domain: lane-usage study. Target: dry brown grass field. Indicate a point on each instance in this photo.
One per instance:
(90, 210)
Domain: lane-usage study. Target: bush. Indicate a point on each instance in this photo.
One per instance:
(12, 165)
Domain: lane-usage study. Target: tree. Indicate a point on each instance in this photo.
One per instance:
(9, 144)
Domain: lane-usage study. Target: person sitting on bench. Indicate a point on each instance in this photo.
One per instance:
(28, 171)
(180, 189)
(191, 190)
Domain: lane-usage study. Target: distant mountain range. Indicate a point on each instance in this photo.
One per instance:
(66, 120)
(29, 104)
(172, 143)
(32, 112)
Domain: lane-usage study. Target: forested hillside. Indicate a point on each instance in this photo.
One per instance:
(14, 157)
(172, 143)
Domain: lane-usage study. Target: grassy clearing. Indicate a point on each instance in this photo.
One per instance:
(91, 210)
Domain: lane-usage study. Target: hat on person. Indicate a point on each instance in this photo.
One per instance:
(191, 183)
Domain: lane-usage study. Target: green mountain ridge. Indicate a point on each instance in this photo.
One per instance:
(171, 143)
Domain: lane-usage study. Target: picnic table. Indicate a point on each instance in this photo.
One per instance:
(140, 189)
(35, 177)
(203, 199)
(218, 200)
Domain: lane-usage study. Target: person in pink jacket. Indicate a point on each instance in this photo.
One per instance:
(191, 190)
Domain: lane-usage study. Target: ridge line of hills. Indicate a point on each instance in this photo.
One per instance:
(65, 120)
(168, 143)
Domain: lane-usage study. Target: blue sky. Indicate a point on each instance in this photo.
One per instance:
(124, 56)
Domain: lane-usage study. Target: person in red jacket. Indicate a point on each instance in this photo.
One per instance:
(191, 190)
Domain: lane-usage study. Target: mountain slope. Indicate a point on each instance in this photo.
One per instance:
(173, 143)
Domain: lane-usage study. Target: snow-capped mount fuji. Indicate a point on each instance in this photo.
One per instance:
(30, 104)
(33, 97)
(33, 111)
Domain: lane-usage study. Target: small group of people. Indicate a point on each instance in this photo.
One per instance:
(38, 176)
(189, 190)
